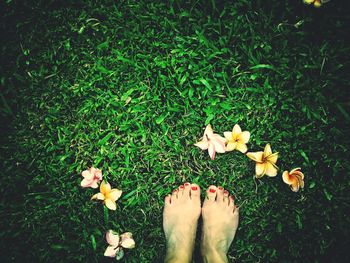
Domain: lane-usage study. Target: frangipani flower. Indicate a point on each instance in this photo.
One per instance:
(211, 141)
(265, 162)
(117, 243)
(108, 195)
(294, 178)
(316, 3)
(91, 177)
(236, 140)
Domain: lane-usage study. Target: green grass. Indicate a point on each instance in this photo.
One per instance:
(128, 86)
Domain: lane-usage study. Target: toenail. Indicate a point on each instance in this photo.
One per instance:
(225, 192)
(220, 188)
(212, 190)
(187, 184)
(181, 186)
(194, 188)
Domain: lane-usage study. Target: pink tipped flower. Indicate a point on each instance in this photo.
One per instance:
(212, 142)
(117, 243)
(91, 177)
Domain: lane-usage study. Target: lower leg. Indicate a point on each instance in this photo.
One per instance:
(181, 212)
(220, 222)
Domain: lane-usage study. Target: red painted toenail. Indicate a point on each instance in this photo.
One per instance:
(187, 184)
(220, 188)
(212, 190)
(194, 188)
(181, 186)
(225, 192)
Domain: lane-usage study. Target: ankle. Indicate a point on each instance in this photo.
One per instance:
(177, 256)
(213, 256)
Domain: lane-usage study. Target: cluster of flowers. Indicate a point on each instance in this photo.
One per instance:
(109, 196)
(316, 3)
(265, 160)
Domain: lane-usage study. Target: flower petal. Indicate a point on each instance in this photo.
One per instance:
(105, 188)
(111, 251)
(218, 138)
(85, 182)
(98, 173)
(112, 238)
(242, 147)
(128, 242)
(228, 135)
(244, 137)
(208, 131)
(114, 194)
(236, 130)
(231, 146)
(110, 204)
(295, 169)
(255, 156)
(260, 169)
(287, 178)
(218, 145)
(202, 144)
(272, 158)
(98, 196)
(271, 170)
(211, 151)
(86, 174)
(295, 186)
(267, 150)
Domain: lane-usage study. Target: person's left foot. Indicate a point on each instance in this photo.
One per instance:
(181, 212)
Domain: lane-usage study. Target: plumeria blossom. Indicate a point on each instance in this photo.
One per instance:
(92, 177)
(237, 140)
(212, 142)
(265, 162)
(316, 3)
(117, 243)
(294, 178)
(108, 196)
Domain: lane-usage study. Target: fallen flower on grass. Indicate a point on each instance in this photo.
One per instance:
(316, 3)
(212, 142)
(92, 177)
(294, 178)
(237, 140)
(265, 162)
(108, 196)
(117, 243)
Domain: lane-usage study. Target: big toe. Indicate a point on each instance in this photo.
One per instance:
(195, 192)
(211, 193)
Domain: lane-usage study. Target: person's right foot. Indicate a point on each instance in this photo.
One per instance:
(220, 222)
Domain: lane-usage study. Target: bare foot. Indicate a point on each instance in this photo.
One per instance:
(181, 212)
(220, 222)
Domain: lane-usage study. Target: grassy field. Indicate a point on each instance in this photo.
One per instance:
(129, 86)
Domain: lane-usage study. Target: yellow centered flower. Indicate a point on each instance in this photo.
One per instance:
(236, 140)
(294, 178)
(107, 195)
(317, 3)
(265, 162)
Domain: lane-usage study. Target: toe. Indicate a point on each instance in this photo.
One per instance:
(180, 190)
(236, 211)
(220, 194)
(226, 199)
(174, 195)
(232, 201)
(167, 200)
(187, 189)
(211, 193)
(195, 191)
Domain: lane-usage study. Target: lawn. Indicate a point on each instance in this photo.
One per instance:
(129, 86)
